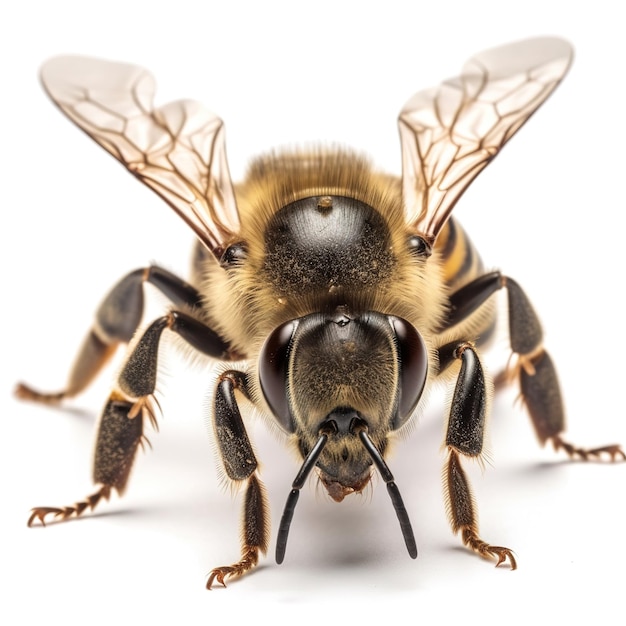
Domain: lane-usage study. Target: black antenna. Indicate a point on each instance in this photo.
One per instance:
(360, 428)
(292, 499)
(392, 489)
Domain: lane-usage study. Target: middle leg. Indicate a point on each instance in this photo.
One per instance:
(130, 404)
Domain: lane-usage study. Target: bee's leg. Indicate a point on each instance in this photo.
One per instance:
(240, 465)
(120, 432)
(116, 321)
(537, 375)
(465, 437)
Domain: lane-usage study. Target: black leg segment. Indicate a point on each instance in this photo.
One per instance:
(119, 436)
(542, 397)
(240, 464)
(535, 370)
(130, 404)
(465, 437)
(471, 297)
(116, 321)
(139, 375)
(232, 439)
(468, 410)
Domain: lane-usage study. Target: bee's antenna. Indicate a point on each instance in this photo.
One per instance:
(394, 493)
(292, 499)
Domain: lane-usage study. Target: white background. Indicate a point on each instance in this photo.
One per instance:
(548, 212)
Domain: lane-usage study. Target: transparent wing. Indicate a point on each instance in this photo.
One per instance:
(177, 150)
(451, 132)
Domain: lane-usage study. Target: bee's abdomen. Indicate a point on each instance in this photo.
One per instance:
(460, 260)
(461, 264)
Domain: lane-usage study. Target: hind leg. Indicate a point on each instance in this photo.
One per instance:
(116, 321)
(535, 371)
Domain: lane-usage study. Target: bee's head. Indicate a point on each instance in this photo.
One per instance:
(341, 382)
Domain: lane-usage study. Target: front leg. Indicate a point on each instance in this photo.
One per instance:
(465, 437)
(240, 465)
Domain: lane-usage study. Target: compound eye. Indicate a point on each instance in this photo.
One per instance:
(419, 247)
(413, 368)
(273, 367)
(234, 255)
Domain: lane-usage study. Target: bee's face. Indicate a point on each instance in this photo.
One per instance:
(338, 373)
(334, 359)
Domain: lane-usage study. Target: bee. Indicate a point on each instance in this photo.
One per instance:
(331, 293)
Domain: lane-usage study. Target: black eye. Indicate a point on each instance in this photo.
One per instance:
(418, 246)
(413, 368)
(234, 255)
(273, 363)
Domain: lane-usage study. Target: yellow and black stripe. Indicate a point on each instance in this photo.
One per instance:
(461, 264)
(460, 260)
